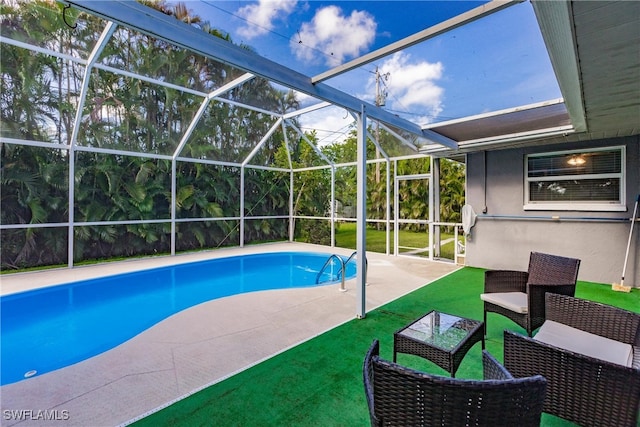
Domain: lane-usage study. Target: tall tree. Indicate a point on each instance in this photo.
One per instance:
(39, 94)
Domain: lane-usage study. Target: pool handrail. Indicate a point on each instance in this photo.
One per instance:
(343, 265)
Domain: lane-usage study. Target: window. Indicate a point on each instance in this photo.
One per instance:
(588, 180)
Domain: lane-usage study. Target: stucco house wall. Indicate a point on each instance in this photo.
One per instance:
(495, 189)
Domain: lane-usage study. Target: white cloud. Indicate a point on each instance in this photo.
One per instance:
(412, 85)
(332, 124)
(261, 16)
(332, 36)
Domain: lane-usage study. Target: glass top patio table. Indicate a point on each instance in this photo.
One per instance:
(439, 337)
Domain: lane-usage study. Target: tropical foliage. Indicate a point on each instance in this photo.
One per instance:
(413, 194)
(129, 162)
(39, 96)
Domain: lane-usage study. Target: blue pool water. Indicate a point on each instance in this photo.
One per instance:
(50, 328)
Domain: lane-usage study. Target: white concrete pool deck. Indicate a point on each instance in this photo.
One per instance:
(198, 346)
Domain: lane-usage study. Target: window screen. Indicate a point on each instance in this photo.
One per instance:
(565, 179)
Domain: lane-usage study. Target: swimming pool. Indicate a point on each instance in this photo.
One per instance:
(50, 328)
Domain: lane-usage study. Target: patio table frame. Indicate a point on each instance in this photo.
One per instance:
(448, 359)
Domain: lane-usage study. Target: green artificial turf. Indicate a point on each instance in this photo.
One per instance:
(319, 382)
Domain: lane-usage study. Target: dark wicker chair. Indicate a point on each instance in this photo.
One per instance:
(583, 389)
(399, 396)
(547, 273)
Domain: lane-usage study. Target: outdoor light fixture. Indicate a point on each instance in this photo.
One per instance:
(576, 160)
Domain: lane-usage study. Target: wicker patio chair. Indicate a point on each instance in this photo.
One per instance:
(519, 295)
(583, 389)
(399, 396)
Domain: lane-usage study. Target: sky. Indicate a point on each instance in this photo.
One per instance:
(495, 63)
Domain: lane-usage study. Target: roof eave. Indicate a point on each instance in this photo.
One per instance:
(555, 19)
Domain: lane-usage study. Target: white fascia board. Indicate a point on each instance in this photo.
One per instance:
(149, 21)
(555, 19)
(504, 139)
(520, 136)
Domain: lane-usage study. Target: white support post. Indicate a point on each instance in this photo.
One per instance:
(288, 149)
(396, 209)
(72, 186)
(332, 211)
(434, 214)
(431, 211)
(361, 236)
(174, 192)
(388, 213)
(242, 207)
(292, 224)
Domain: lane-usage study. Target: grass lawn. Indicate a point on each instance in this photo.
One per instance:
(376, 240)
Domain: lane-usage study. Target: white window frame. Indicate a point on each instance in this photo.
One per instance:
(601, 206)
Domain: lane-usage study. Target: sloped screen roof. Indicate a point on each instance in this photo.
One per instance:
(458, 54)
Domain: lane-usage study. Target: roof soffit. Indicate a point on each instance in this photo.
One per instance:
(555, 19)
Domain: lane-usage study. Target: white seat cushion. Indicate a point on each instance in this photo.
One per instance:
(514, 301)
(582, 342)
